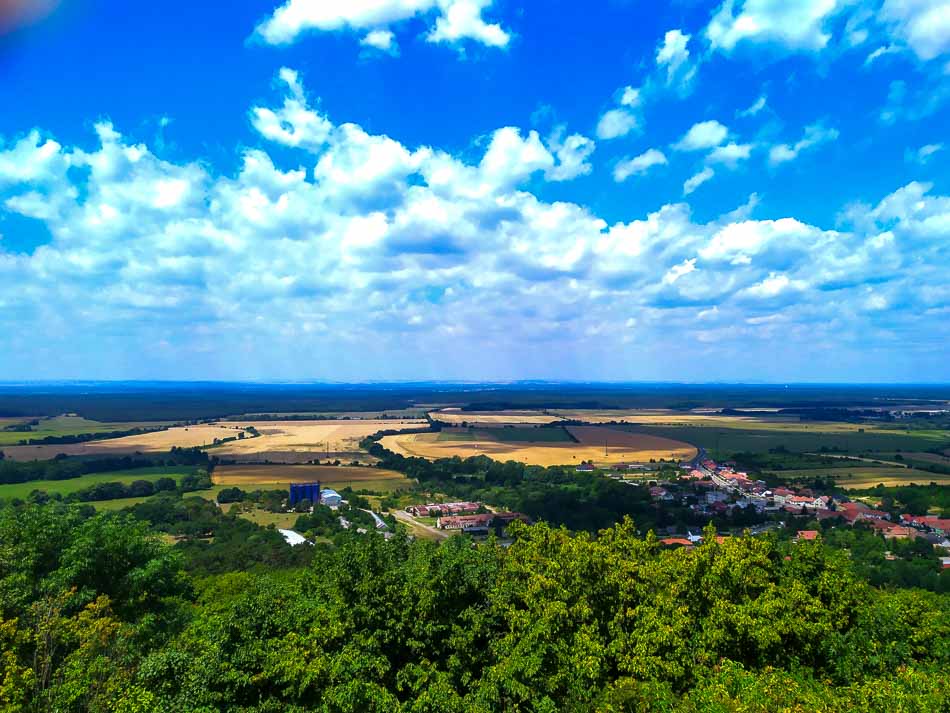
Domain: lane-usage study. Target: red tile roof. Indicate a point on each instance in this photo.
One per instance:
(676, 541)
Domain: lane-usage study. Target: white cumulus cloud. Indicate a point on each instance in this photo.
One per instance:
(615, 123)
(672, 56)
(922, 25)
(796, 24)
(367, 247)
(638, 164)
(702, 136)
(382, 40)
(455, 20)
(696, 180)
(815, 135)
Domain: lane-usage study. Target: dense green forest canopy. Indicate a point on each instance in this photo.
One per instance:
(98, 613)
(158, 401)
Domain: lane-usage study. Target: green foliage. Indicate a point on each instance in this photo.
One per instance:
(96, 614)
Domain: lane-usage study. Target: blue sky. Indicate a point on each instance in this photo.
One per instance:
(465, 189)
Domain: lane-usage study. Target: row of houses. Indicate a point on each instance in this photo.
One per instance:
(479, 524)
(439, 509)
(937, 525)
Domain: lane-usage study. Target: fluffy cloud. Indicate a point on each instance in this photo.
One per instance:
(696, 180)
(922, 25)
(730, 154)
(615, 123)
(456, 20)
(638, 164)
(365, 248)
(672, 56)
(572, 154)
(294, 124)
(382, 40)
(815, 134)
(757, 106)
(923, 154)
(798, 25)
(702, 136)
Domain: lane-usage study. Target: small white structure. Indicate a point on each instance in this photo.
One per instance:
(293, 538)
(330, 498)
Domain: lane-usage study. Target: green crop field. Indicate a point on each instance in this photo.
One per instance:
(507, 434)
(867, 477)
(455, 434)
(528, 434)
(803, 437)
(65, 487)
(69, 426)
(919, 457)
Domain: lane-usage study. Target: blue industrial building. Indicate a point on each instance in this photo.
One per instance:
(304, 491)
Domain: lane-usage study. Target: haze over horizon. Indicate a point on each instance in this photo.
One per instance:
(733, 192)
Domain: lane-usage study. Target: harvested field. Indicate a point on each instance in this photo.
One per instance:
(302, 441)
(155, 442)
(253, 477)
(493, 418)
(621, 447)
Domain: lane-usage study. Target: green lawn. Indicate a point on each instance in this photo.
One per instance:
(69, 426)
(281, 520)
(65, 487)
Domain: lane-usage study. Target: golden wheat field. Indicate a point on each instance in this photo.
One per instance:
(620, 447)
(311, 439)
(155, 442)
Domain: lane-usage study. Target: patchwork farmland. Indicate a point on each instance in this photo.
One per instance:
(586, 443)
(303, 441)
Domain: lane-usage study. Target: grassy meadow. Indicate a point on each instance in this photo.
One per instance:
(66, 487)
(59, 426)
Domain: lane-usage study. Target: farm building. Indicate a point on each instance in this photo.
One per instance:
(437, 509)
(304, 491)
(330, 498)
(466, 523)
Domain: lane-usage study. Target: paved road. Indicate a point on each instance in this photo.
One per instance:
(380, 523)
(413, 524)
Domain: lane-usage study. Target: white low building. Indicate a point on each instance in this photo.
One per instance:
(330, 498)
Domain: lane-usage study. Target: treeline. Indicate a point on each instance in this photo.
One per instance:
(911, 499)
(67, 467)
(97, 614)
(83, 437)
